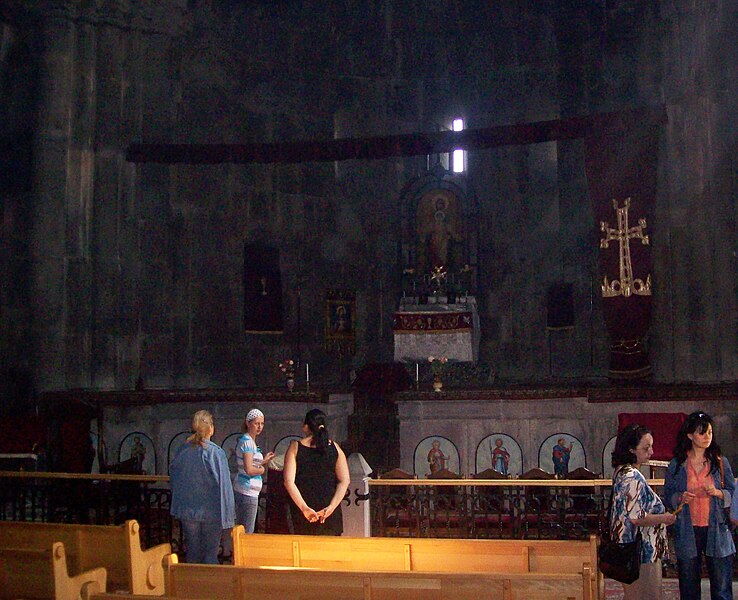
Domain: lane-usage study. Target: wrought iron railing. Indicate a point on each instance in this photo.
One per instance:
(499, 508)
(111, 499)
(507, 508)
(90, 498)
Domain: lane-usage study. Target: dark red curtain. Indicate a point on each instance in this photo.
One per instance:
(664, 428)
(621, 165)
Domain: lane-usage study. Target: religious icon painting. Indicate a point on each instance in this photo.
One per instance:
(229, 447)
(340, 322)
(137, 452)
(500, 452)
(607, 469)
(174, 445)
(561, 453)
(435, 453)
(262, 290)
(440, 242)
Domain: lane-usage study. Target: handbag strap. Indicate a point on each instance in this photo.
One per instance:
(609, 504)
(722, 474)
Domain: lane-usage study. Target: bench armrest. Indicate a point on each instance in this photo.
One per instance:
(70, 588)
(147, 570)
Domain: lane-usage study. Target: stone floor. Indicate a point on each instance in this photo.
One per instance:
(614, 590)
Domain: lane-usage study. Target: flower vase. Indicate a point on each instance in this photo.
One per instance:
(437, 383)
(290, 384)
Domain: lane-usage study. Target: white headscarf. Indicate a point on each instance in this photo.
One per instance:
(253, 413)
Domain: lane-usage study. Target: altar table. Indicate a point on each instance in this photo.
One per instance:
(440, 329)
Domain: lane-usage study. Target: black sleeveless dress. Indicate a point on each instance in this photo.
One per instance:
(315, 477)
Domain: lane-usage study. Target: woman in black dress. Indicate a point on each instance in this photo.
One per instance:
(316, 476)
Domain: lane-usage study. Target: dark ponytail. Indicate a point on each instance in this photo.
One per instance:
(315, 420)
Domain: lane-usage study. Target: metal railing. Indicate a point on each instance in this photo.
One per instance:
(490, 508)
(101, 499)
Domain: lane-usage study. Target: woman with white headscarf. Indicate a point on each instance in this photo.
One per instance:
(251, 466)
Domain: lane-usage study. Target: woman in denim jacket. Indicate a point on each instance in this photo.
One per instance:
(696, 482)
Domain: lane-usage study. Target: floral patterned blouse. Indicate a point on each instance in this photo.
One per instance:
(633, 498)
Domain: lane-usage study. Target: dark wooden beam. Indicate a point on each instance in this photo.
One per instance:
(415, 144)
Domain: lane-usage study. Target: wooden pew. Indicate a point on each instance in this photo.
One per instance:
(226, 582)
(51, 578)
(115, 547)
(427, 555)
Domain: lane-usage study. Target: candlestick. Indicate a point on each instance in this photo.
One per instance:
(417, 374)
(307, 373)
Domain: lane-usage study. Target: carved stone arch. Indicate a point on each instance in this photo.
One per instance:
(439, 229)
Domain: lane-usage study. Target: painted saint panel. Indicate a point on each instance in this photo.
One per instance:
(433, 454)
(607, 469)
(561, 453)
(138, 448)
(280, 449)
(229, 447)
(500, 452)
(174, 445)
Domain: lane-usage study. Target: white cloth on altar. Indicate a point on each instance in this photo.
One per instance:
(462, 346)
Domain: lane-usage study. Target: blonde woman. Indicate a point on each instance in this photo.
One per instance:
(202, 494)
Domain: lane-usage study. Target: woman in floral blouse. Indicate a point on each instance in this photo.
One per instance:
(635, 505)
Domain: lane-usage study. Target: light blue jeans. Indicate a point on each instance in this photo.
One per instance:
(246, 509)
(202, 541)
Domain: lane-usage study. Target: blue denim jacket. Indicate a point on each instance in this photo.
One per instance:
(201, 485)
(719, 538)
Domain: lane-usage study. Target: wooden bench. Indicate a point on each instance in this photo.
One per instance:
(115, 547)
(50, 580)
(226, 582)
(541, 558)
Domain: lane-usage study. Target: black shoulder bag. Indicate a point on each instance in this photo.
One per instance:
(619, 561)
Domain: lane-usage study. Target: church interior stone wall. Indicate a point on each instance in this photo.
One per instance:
(114, 273)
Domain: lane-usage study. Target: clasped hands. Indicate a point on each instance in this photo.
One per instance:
(317, 516)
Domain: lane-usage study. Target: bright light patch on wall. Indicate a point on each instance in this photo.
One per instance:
(459, 156)
(458, 161)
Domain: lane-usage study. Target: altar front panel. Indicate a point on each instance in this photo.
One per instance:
(464, 420)
(157, 424)
(450, 330)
